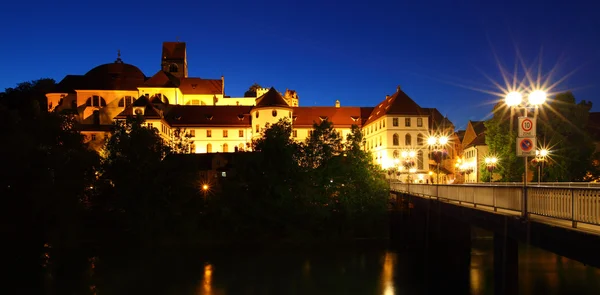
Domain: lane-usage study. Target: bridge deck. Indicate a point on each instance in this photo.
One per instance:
(571, 207)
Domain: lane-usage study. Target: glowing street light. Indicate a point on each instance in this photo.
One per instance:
(490, 162)
(513, 99)
(437, 146)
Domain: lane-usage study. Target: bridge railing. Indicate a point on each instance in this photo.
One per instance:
(577, 204)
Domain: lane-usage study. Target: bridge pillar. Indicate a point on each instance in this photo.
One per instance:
(440, 245)
(506, 265)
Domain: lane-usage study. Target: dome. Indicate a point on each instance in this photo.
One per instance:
(114, 76)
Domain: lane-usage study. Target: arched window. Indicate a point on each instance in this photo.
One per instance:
(257, 115)
(95, 101)
(396, 139)
(209, 148)
(225, 148)
(173, 68)
(407, 139)
(420, 139)
(274, 112)
(396, 154)
(383, 123)
(420, 160)
(126, 101)
(241, 147)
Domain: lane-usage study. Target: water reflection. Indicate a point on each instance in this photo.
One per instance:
(387, 274)
(353, 270)
(207, 279)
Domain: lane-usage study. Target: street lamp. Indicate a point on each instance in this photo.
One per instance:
(541, 156)
(437, 144)
(490, 162)
(514, 100)
(408, 162)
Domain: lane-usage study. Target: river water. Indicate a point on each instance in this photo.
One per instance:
(372, 269)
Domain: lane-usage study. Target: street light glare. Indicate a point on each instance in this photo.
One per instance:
(431, 140)
(544, 152)
(514, 98)
(537, 97)
(205, 187)
(443, 140)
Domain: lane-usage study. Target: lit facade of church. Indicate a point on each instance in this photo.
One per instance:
(219, 123)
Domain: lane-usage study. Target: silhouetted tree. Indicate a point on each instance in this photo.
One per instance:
(252, 90)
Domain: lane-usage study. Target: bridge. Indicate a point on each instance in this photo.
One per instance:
(561, 218)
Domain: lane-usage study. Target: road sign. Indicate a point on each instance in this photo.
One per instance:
(526, 127)
(525, 146)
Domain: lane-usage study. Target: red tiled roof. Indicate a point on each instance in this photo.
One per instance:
(437, 120)
(340, 117)
(397, 104)
(271, 98)
(201, 86)
(173, 50)
(162, 79)
(178, 115)
(478, 141)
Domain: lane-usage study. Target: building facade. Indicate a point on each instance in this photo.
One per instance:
(395, 131)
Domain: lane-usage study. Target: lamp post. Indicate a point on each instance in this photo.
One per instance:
(514, 100)
(490, 163)
(437, 144)
(540, 158)
(408, 162)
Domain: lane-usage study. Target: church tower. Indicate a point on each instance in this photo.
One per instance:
(174, 59)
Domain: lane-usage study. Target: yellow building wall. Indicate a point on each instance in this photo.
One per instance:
(265, 116)
(218, 140)
(107, 113)
(200, 99)
(232, 101)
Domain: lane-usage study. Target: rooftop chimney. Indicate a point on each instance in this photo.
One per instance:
(387, 96)
(398, 89)
(337, 103)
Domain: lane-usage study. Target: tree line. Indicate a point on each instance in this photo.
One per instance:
(58, 192)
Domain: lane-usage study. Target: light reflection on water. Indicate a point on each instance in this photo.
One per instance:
(387, 274)
(329, 271)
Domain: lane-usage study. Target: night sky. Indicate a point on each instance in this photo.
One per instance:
(357, 52)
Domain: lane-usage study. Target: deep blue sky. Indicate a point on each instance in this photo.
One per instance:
(356, 52)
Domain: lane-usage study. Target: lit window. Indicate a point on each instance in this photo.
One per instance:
(192, 133)
(419, 122)
(241, 133)
(407, 122)
(225, 133)
(295, 133)
(208, 133)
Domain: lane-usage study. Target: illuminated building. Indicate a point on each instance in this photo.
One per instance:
(170, 99)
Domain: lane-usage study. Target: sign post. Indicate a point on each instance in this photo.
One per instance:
(526, 146)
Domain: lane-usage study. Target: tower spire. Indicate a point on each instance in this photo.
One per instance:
(119, 60)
